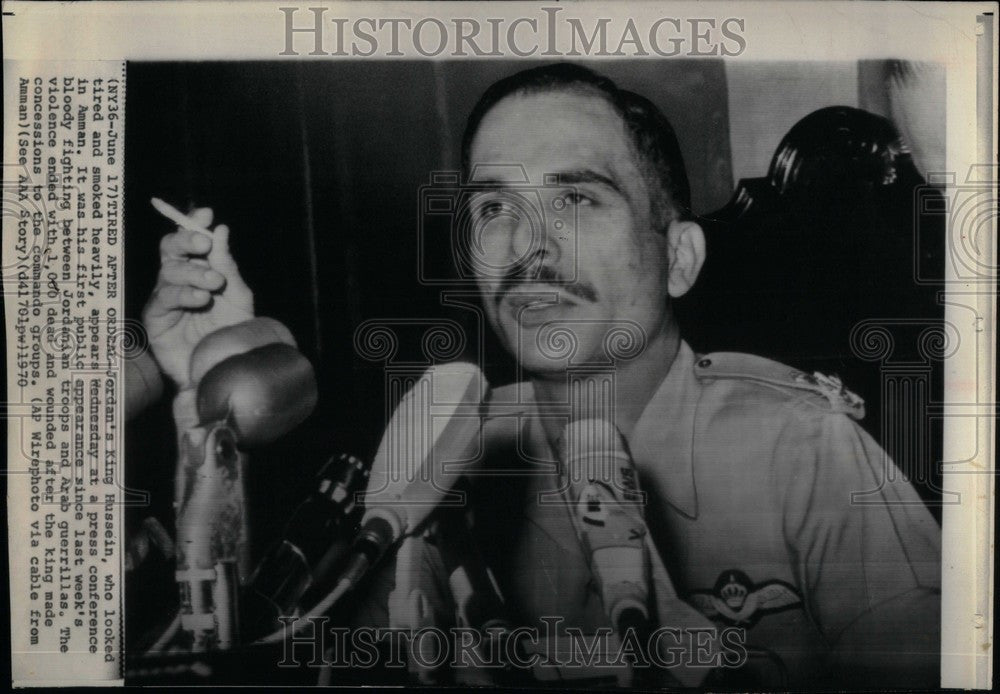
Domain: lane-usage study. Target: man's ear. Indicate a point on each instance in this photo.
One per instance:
(686, 249)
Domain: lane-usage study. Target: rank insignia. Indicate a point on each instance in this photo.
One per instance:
(832, 388)
(736, 599)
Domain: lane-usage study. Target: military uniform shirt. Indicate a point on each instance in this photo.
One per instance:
(769, 509)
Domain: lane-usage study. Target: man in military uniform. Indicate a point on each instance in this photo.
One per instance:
(749, 465)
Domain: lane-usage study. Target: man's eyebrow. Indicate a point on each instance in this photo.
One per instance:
(589, 176)
(570, 178)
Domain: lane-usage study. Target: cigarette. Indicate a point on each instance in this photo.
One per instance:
(177, 217)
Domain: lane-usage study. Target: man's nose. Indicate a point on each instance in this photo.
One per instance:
(533, 239)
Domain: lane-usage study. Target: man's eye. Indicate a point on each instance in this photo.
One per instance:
(486, 210)
(491, 207)
(574, 198)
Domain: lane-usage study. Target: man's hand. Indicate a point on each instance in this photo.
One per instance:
(199, 290)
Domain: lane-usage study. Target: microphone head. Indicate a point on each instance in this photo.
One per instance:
(594, 451)
(432, 439)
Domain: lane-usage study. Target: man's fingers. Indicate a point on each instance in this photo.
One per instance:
(198, 276)
(183, 243)
(201, 216)
(187, 242)
(222, 260)
(202, 260)
(219, 257)
(171, 297)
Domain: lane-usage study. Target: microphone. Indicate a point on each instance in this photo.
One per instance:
(607, 512)
(479, 603)
(432, 439)
(243, 400)
(316, 537)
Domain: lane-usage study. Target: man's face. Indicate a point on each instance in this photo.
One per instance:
(594, 261)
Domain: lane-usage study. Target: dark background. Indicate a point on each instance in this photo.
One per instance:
(317, 168)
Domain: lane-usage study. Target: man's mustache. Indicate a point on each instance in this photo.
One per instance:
(545, 274)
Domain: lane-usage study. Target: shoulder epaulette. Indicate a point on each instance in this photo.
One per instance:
(749, 367)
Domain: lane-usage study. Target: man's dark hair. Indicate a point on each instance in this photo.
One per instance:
(649, 131)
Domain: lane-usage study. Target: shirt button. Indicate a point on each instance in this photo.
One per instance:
(705, 363)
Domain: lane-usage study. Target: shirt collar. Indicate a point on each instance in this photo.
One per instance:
(662, 441)
(661, 444)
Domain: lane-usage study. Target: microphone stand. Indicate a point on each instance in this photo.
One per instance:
(212, 547)
(606, 505)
